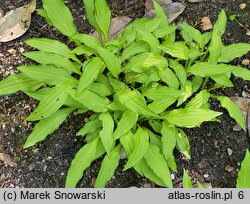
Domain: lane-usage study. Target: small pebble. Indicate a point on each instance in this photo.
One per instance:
(244, 62)
(243, 6)
(147, 185)
(229, 168)
(11, 50)
(62, 174)
(21, 50)
(229, 151)
(172, 176)
(205, 175)
(31, 167)
(1, 55)
(236, 128)
(244, 94)
(12, 130)
(122, 154)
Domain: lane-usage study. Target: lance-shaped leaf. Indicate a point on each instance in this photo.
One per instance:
(199, 100)
(221, 23)
(48, 74)
(145, 61)
(135, 48)
(163, 32)
(158, 164)
(106, 134)
(53, 59)
(169, 133)
(161, 14)
(82, 161)
(168, 76)
(134, 101)
(89, 9)
(18, 82)
(127, 121)
(108, 167)
(179, 71)
(160, 105)
(100, 89)
(91, 69)
(241, 72)
(194, 33)
(243, 179)
(141, 144)
(47, 126)
(205, 69)
(50, 103)
(127, 141)
(90, 127)
(90, 100)
(60, 16)
(112, 62)
(230, 52)
(177, 49)
(215, 48)
(187, 183)
(190, 117)
(183, 144)
(162, 92)
(103, 17)
(151, 40)
(87, 40)
(233, 110)
(223, 80)
(154, 139)
(53, 46)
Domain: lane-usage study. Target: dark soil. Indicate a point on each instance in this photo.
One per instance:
(46, 164)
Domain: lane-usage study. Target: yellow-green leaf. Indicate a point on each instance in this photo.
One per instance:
(187, 183)
(47, 126)
(177, 49)
(106, 134)
(90, 127)
(108, 167)
(243, 179)
(162, 92)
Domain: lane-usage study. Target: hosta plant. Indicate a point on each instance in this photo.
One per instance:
(141, 88)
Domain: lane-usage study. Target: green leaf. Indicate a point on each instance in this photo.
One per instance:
(207, 36)
(215, 48)
(83, 50)
(201, 185)
(113, 62)
(53, 46)
(169, 77)
(190, 117)
(127, 121)
(196, 83)
(154, 139)
(87, 40)
(183, 144)
(82, 161)
(43, 13)
(161, 14)
(18, 82)
(47, 126)
(151, 40)
(222, 80)
(205, 69)
(134, 101)
(169, 133)
(48, 74)
(135, 48)
(103, 17)
(91, 70)
(50, 103)
(221, 23)
(156, 125)
(100, 89)
(160, 105)
(187, 183)
(179, 70)
(233, 110)
(127, 141)
(199, 100)
(164, 31)
(90, 127)
(243, 180)
(53, 59)
(106, 134)
(158, 164)
(89, 9)
(141, 144)
(162, 92)
(108, 167)
(144, 169)
(241, 72)
(147, 24)
(145, 61)
(177, 49)
(90, 100)
(60, 16)
(230, 52)
(194, 33)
